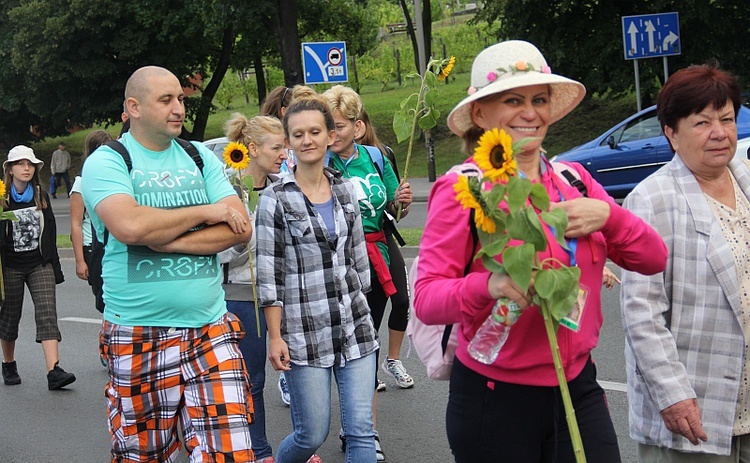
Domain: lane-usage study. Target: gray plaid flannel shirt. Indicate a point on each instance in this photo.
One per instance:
(319, 282)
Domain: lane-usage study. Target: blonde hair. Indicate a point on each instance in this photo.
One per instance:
(302, 91)
(241, 129)
(344, 100)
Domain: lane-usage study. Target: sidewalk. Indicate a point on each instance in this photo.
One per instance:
(420, 188)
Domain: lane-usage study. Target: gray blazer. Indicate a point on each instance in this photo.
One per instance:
(683, 327)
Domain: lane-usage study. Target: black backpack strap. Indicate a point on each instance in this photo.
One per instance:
(576, 182)
(192, 151)
(122, 151)
(474, 242)
(390, 224)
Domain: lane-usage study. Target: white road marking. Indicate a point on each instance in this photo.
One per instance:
(95, 321)
(613, 386)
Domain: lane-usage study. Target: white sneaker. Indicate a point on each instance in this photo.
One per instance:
(381, 386)
(379, 455)
(396, 369)
(284, 389)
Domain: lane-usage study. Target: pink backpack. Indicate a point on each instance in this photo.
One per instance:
(436, 344)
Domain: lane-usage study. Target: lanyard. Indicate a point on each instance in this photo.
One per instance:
(571, 243)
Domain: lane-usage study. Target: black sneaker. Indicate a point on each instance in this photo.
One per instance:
(10, 374)
(58, 378)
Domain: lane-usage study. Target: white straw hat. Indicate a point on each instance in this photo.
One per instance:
(22, 152)
(512, 64)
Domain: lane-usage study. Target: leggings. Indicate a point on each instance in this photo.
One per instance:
(399, 316)
(496, 422)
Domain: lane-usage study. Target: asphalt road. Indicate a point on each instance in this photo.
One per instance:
(70, 425)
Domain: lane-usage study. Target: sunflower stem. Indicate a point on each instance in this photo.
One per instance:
(418, 109)
(255, 288)
(570, 413)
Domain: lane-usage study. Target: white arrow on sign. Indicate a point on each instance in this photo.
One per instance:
(650, 29)
(320, 64)
(669, 40)
(633, 32)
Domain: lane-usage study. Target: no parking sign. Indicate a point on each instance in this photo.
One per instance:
(324, 62)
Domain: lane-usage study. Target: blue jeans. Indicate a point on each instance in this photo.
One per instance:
(310, 390)
(253, 349)
(58, 179)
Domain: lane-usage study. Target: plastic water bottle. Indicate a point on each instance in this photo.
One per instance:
(491, 336)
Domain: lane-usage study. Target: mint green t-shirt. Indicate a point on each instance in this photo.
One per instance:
(143, 287)
(373, 192)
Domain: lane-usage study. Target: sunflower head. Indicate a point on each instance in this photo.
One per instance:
(447, 68)
(235, 156)
(3, 189)
(469, 195)
(494, 155)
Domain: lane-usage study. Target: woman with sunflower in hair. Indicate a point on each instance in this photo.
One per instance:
(256, 148)
(516, 398)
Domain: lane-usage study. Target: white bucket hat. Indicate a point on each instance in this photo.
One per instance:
(22, 152)
(512, 64)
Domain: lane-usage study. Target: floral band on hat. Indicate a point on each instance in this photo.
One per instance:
(518, 66)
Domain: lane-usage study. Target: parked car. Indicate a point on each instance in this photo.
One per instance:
(634, 149)
(217, 145)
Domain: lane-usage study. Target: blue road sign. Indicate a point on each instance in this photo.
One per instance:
(324, 62)
(651, 35)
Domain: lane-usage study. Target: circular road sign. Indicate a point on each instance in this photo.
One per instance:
(334, 56)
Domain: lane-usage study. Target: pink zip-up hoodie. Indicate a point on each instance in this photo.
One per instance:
(443, 295)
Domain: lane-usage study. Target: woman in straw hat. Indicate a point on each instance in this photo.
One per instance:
(29, 257)
(511, 409)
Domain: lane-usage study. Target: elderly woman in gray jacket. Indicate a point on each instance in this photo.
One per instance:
(686, 329)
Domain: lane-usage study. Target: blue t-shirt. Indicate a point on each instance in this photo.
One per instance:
(143, 287)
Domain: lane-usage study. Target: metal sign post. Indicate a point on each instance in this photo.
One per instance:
(649, 36)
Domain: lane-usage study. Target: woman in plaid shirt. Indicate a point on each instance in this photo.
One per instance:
(313, 272)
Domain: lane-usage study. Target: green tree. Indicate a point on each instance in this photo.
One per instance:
(583, 40)
(64, 63)
(75, 59)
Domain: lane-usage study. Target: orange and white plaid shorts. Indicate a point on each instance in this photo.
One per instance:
(159, 376)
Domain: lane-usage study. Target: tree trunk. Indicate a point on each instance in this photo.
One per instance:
(288, 42)
(208, 93)
(412, 33)
(260, 78)
(427, 28)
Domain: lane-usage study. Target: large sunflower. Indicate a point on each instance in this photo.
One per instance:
(235, 156)
(465, 196)
(494, 155)
(3, 190)
(446, 70)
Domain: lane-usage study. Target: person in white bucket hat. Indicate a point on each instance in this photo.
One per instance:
(29, 258)
(510, 409)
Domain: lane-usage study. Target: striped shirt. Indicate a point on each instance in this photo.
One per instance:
(319, 282)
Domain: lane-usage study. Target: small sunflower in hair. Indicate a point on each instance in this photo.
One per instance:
(235, 156)
(447, 68)
(495, 156)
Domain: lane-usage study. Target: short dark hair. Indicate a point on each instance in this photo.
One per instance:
(690, 90)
